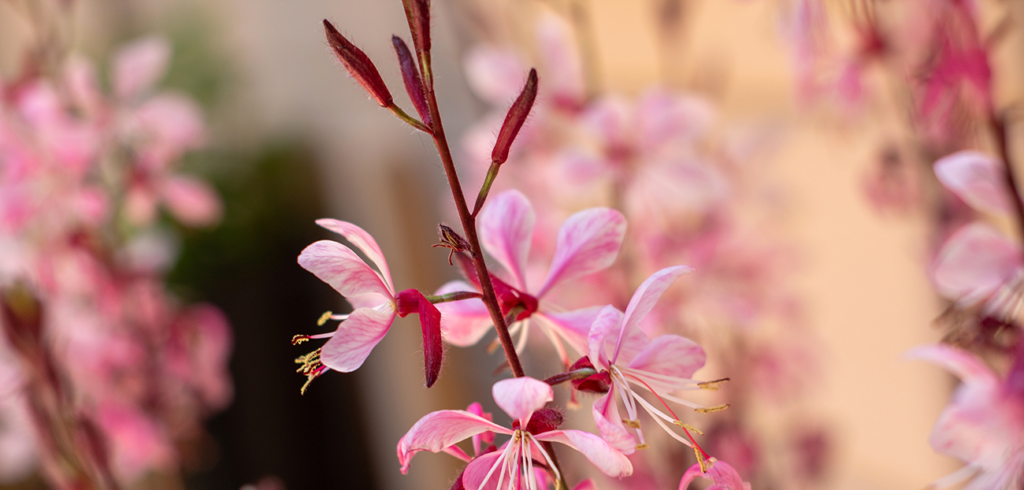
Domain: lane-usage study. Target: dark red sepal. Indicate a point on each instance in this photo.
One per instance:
(358, 65)
(413, 301)
(597, 383)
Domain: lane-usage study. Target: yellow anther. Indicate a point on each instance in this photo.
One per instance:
(632, 423)
(712, 385)
(688, 427)
(705, 465)
(298, 339)
(643, 446)
(323, 318)
(716, 408)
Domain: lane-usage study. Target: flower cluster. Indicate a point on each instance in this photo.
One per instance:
(601, 348)
(111, 369)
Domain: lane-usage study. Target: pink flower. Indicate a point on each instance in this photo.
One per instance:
(983, 424)
(587, 242)
(723, 476)
(977, 263)
(662, 365)
(512, 465)
(372, 294)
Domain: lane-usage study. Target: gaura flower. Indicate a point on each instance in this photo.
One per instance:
(723, 476)
(662, 365)
(978, 264)
(983, 424)
(512, 465)
(588, 242)
(372, 295)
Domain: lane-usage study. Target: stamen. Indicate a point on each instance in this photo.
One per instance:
(632, 424)
(551, 464)
(716, 408)
(643, 446)
(696, 447)
(311, 367)
(688, 427)
(298, 339)
(704, 466)
(712, 385)
(323, 318)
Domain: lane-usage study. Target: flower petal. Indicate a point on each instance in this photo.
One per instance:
(573, 325)
(609, 423)
(588, 242)
(364, 242)
(478, 469)
(464, 322)
(438, 430)
(643, 300)
(724, 476)
(605, 327)
(193, 201)
(963, 364)
(495, 75)
(355, 338)
(611, 462)
(340, 267)
(974, 263)
(668, 355)
(520, 397)
(563, 69)
(977, 178)
(139, 65)
(506, 230)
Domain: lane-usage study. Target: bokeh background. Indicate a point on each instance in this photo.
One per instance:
(292, 139)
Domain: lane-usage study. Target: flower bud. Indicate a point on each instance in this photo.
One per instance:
(358, 65)
(515, 118)
(417, 12)
(411, 77)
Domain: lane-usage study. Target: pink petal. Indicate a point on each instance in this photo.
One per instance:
(587, 484)
(669, 355)
(977, 178)
(192, 201)
(961, 363)
(479, 468)
(609, 118)
(464, 322)
(485, 437)
(644, 298)
(80, 76)
(340, 267)
(139, 65)
(605, 328)
(609, 423)
(495, 75)
(574, 325)
(563, 67)
(605, 457)
(438, 430)
(981, 426)
(506, 229)
(355, 338)
(364, 242)
(520, 397)
(664, 117)
(974, 263)
(588, 242)
(170, 124)
(724, 476)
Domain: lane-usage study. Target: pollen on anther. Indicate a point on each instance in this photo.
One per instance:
(631, 423)
(716, 408)
(643, 446)
(298, 339)
(688, 427)
(712, 385)
(323, 318)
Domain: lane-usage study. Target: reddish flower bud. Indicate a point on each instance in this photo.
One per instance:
(413, 301)
(417, 12)
(544, 420)
(411, 77)
(514, 119)
(358, 65)
(597, 383)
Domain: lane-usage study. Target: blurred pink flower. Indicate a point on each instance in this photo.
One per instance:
(723, 476)
(510, 465)
(983, 424)
(587, 242)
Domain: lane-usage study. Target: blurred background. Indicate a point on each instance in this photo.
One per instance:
(830, 191)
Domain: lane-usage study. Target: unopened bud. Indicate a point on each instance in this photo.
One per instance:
(411, 78)
(515, 119)
(417, 12)
(358, 65)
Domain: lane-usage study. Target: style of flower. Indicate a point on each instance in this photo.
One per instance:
(512, 465)
(588, 242)
(983, 424)
(978, 264)
(660, 365)
(723, 476)
(372, 295)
